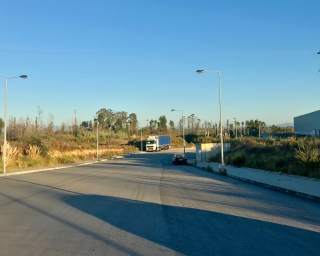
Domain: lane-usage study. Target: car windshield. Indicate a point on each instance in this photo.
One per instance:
(180, 156)
(150, 142)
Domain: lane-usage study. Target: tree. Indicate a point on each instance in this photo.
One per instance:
(242, 123)
(171, 124)
(133, 123)
(153, 125)
(228, 123)
(63, 127)
(275, 129)
(247, 127)
(181, 123)
(162, 124)
(107, 118)
(209, 128)
(237, 126)
(1, 125)
(39, 119)
(206, 126)
(121, 118)
(50, 126)
(198, 126)
(84, 124)
(255, 126)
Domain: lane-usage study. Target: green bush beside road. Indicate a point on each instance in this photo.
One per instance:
(297, 156)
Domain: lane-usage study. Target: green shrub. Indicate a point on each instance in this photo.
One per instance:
(307, 156)
(223, 170)
(209, 169)
(52, 161)
(195, 162)
(41, 142)
(81, 157)
(25, 162)
(239, 158)
(121, 134)
(66, 159)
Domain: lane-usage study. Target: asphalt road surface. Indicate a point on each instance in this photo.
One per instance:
(144, 205)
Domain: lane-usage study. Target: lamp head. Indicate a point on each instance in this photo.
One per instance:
(199, 71)
(318, 52)
(23, 76)
(173, 110)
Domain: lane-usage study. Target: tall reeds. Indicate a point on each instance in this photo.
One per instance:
(33, 152)
(12, 153)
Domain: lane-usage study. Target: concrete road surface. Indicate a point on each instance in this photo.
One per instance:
(144, 205)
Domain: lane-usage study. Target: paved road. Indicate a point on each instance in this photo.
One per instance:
(144, 205)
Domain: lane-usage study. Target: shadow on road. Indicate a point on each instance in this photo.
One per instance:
(197, 232)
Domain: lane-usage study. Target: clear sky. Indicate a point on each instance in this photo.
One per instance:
(141, 56)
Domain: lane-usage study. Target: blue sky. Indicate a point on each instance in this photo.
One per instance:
(140, 56)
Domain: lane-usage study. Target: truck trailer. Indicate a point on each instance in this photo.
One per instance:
(158, 143)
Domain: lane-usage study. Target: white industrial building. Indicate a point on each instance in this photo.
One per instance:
(308, 124)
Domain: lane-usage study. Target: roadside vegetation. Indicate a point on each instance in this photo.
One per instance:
(35, 143)
(32, 143)
(280, 152)
(297, 156)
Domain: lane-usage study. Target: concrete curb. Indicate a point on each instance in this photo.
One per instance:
(62, 167)
(50, 169)
(265, 185)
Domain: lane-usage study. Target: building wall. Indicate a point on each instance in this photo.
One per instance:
(205, 151)
(306, 124)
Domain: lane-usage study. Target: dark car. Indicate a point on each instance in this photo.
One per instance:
(179, 159)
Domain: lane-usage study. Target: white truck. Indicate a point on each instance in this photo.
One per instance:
(158, 143)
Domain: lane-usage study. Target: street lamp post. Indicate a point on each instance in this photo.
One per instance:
(5, 123)
(141, 133)
(184, 142)
(319, 71)
(202, 71)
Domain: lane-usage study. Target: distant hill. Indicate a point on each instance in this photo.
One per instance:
(285, 125)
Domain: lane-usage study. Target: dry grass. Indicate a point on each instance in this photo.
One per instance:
(33, 152)
(33, 157)
(86, 153)
(12, 153)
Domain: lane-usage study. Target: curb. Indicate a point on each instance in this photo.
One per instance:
(62, 167)
(265, 185)
(50, 169)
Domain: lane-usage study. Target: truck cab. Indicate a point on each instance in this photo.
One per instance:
(151, 144)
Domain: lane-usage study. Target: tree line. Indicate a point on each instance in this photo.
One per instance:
(121, 121)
